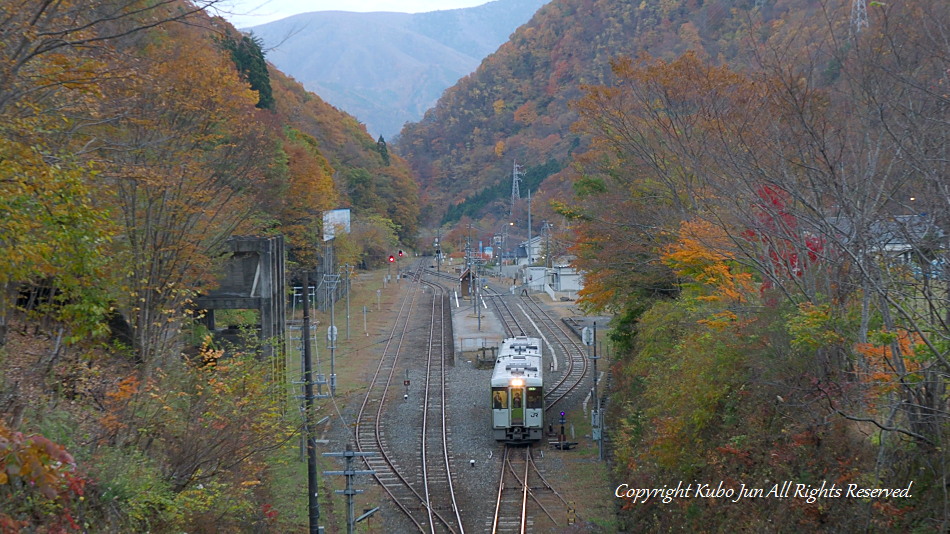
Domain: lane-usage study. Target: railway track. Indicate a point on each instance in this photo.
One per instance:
(436, 460)
(525, 500)
(421, 489)
(532, 319)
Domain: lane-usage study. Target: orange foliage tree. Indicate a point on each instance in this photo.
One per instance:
(186, 159)
(40, 487)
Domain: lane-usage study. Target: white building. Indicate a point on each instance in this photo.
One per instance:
(559, 281)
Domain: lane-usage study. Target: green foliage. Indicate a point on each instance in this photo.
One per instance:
(589, 185)
(476, 205)
(688, 371)
(53, 233)
(383, 150)
(623, 333)
(248, 56)
(363, 190)
(813, 327)
(132, 483)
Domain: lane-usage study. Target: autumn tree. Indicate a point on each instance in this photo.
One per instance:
(200, 433)
(52, 58)
(306, 191)
(807, 169)
(183, 174)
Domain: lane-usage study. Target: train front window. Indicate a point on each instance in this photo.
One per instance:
(534, 399)
(499, 398)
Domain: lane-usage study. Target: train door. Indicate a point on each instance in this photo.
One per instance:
(517, 406)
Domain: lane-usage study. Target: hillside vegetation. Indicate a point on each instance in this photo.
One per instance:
(389, 68)
(136, 137)
(758, 192)
(516, 107)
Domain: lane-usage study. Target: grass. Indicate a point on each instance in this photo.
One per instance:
(583, 479)
(352, 359)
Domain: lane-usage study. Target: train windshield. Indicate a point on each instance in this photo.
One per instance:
(534, 398)
(499, 398)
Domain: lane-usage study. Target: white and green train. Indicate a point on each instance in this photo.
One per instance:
(517, 391)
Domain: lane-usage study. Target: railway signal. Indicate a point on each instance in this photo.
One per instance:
(561, 435)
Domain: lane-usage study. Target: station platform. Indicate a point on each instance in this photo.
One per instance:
(476, 333)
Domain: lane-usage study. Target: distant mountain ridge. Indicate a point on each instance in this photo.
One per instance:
(387, 68)
(515, 108)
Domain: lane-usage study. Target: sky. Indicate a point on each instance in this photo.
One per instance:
(247, 13)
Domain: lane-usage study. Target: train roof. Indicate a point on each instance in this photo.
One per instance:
(519, 357)
(520, 345)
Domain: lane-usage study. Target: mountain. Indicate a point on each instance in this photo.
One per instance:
(516, 106)
(388, 68)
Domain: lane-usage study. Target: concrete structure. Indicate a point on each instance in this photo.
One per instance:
(253, 279)
(565, 279)
(562, 280)
(477, 334)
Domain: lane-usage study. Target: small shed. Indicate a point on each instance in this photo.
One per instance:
(465, 284)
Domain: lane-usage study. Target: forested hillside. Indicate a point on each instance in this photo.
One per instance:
(758, 190)
(516, 106)
(389, 68)
(136, 137)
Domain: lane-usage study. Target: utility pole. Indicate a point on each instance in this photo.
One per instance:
(332, 331)
(549, 263)
(349, 473)
(589, 337)
(438, 250)
(468, 261)
(598, 417)
(313, 502)
(346, 269)
(331, 281)
(529, 229)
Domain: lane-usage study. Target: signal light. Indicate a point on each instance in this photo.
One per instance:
(392, 259)
(400, 253)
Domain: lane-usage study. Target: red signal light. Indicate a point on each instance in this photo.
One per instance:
(400, 253)
(392, 259)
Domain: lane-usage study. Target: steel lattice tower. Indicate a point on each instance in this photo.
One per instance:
(516, 175)
(859, 16)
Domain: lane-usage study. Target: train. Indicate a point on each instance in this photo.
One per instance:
(517, 391)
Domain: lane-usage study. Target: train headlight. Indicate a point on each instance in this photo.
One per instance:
(517, 382)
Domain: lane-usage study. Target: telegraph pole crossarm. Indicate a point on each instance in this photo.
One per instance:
(349, 473)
